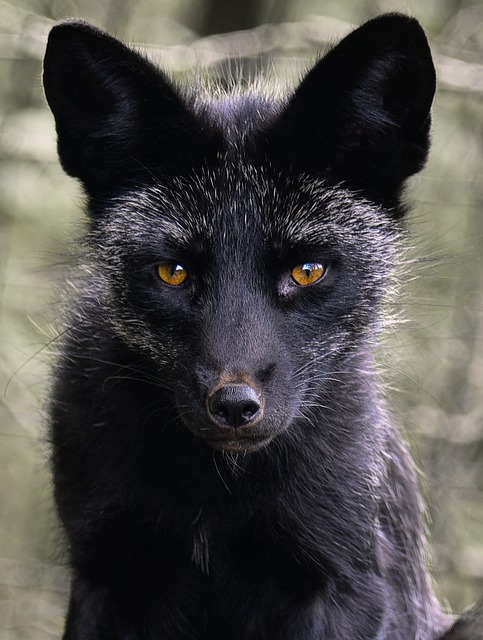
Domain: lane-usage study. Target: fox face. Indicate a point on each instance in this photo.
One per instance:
(246, 298)
(244, 245)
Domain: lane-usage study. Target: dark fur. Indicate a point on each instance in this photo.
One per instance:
(304, 523)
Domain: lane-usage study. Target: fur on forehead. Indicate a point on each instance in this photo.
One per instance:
(291, 210)
(238, 112)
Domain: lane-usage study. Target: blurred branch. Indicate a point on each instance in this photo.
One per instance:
(34, 575)
(24, 34)
(455, 73)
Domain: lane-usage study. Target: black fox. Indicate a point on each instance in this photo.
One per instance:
(225, 467)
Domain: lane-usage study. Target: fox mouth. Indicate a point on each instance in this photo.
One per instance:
(236, 442)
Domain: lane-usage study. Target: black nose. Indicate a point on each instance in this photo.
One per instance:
(234, 405)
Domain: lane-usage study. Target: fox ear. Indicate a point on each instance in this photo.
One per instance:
(115, 112)
(362, 114)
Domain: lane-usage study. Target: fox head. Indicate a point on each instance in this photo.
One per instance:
(241, 245)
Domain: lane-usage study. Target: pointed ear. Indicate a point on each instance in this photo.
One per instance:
(362, 115)
(115, 113)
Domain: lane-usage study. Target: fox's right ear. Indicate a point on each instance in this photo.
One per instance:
(115, 112)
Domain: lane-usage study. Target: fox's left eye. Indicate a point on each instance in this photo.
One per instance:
(308, 273)
(172, 273)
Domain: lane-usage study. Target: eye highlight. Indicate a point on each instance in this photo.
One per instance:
(308, 273)
(172, 273)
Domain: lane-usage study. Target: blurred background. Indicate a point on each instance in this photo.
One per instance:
(433, 363)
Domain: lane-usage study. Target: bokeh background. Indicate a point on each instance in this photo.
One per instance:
(433, 363)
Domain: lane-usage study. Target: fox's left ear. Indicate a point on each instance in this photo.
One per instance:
(362, 115)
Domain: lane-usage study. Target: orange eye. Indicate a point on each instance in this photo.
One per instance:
(172, 273)
(308, 273)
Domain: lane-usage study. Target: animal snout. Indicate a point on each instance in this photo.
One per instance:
(235, 405)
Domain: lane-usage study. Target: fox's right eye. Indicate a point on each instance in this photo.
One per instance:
(172, 273)
(308, 273)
